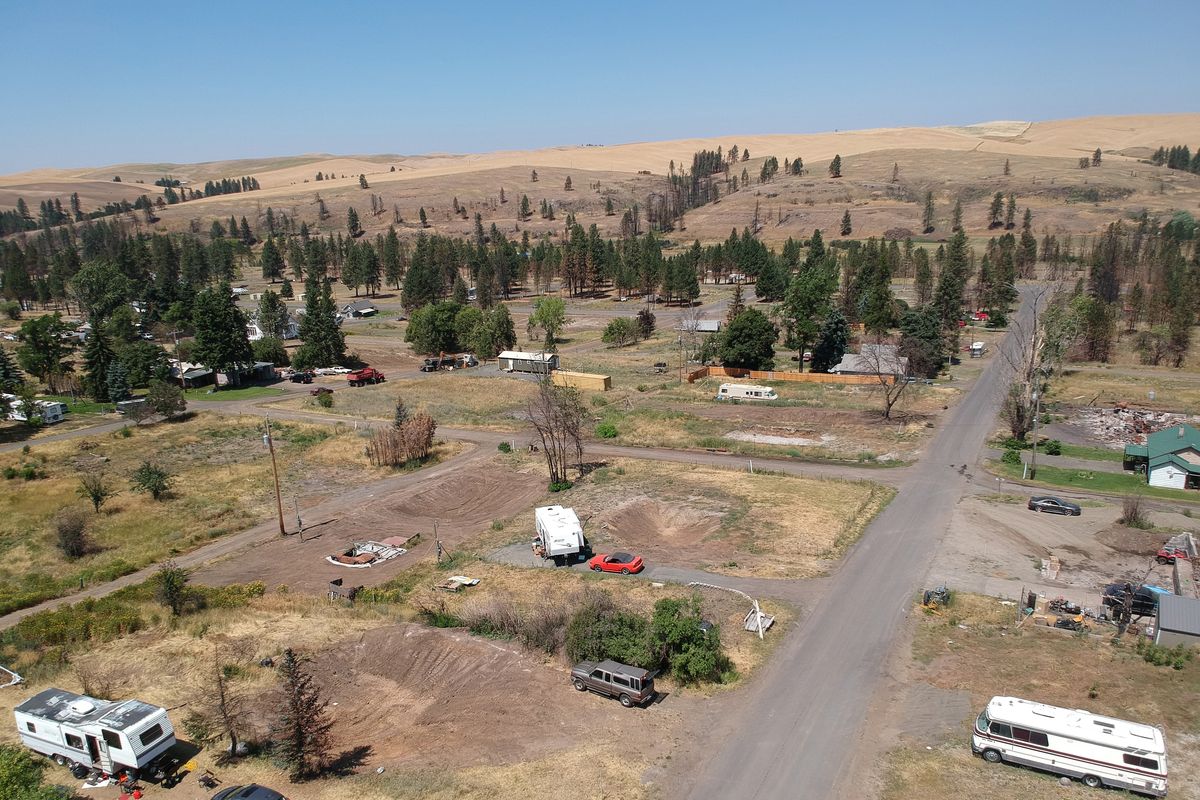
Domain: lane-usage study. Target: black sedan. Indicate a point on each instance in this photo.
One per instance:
(251, 791)
(1054, 505)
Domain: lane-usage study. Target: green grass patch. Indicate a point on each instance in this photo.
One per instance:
(81, 406)
(1093, 481)
(244, 393)
(1092, 453)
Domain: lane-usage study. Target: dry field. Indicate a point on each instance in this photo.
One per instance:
(222, 484)
(974, 653)
(734, 523)
(1173, 390)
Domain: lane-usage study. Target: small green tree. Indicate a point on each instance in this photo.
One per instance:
(21, 777)
(847, 225)
(95, 489)
(549, 314)
(362, 181)
(832, 343)
(620, 332)
(353, 226)
(152, 478)
(171, 587)
(835, 167)
(118, 383)
(749, 341)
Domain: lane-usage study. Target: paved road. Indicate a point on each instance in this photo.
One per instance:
(794, 732)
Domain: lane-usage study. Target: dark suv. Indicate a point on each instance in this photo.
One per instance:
(1145, 600)
(633, 686)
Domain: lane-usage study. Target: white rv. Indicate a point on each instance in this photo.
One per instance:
(51, 411)
(1100, 751)
(113, 737)
(745, 391)
(559, 535)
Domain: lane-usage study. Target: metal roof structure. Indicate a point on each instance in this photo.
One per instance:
(60, 705)
(1179, 614)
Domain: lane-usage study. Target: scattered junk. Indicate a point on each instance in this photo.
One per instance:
(126, 739)
(1121, 425)
(936, 598)
(1050, 568)
(660, 367)
(456, 583)
(12, 678)
(365, 554)
(338, 591)
(745, 391)
(559, 535)
(1099, 751)
(977, 349)
(755, 621)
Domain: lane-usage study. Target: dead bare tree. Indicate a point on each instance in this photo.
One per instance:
(885, 363)
(557, 413)
(1035, 351)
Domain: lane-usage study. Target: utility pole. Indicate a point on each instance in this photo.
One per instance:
(1037, 412)
(270, 443)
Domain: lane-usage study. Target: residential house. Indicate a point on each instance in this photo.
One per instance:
(1170, 457)
(359, 308)
(291, 330)
(875, 360)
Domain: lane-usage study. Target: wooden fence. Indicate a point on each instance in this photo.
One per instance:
(772, 375)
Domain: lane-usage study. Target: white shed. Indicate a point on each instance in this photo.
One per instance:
(1169, 476)
(538, 363)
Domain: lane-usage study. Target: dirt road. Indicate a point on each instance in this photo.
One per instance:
(794, 731)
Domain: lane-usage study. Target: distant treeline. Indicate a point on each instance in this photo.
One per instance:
(1177, 157)
(51, 212)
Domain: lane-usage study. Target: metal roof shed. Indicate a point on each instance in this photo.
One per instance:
(1178, 621)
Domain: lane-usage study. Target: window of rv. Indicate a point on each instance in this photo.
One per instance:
(73, 741)
(1138, 761)
(112, 738)
(1033, 737)
(151, 735)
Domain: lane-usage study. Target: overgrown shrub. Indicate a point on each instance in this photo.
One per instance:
(504, 447)
(153, 479)
(1053, 447)
(1011, 457)
(1132, 513)
(606, 430)
(600, 629)
(1158, 655)
(560, 486)
(70, 533)
(325, 400)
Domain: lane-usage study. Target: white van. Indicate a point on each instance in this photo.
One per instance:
(1100, 751)
(745, 391)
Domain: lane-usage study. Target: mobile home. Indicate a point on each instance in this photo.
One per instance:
(537, 363)
(111, 736)
(1100, 751)
(51, 411)
(745, 391)
(559, 535)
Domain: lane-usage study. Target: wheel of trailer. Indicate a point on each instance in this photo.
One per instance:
(579, 686)
(1092, 782)
(992, 756)
(625, 570)
(60, 760)
(626, 701)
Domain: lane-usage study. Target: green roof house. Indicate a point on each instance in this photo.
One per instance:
(1170, 457)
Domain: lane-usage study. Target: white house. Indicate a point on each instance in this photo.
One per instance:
(291, 330)
(359, 308)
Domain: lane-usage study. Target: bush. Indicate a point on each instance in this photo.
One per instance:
(1013, 443)
(606, 430)
(691, 653)
(599, 629)
(504, 447)
(70, 533)
(1011, 457)
(325, 400)
(560, 486)
(153, 479)
(11, 309)
(1053, 447)
(1132, 514)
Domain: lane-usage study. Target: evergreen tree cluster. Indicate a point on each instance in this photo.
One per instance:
(230, 186)
(1177, 157)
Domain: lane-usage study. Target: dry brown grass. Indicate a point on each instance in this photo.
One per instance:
(1047, 665)
(1172, 392)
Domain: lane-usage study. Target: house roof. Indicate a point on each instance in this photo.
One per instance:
(359, 305)
(63, 706)
(1178, 614)
(1178, 445)
(875, 359)
(521, 356)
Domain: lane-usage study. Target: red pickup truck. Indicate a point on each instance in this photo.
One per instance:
(361, 377)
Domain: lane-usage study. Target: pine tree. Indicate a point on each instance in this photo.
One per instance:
(272, 315)
(362, 181)
(736, 305)
(798, 166)
(1096, 156)
(1007, 168)
(895, 173)
(285, 290)
(948, 297)
(352, 224)
(424, 219)
(923, 283)
(996, 210)
(11, 379)
(272, 261)
(567, 184)
(247, 234)
(503, 199)
(98, 358)
(835, 167)
(832, 343)
(1010, 212)
(927, 216)
(956, 217)
(302, 733)
(117, 383)
(324, 344)
(533, 176)
(608, 207)
(847, 227)
(221, 343)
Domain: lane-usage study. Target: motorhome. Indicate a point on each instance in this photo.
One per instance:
(80, 731)
(559, 535)
(745, 391)
(1098, 750)
(50, 411)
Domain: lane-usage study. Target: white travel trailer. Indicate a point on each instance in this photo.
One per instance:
(1100, 751)
(559, 534)
(745, 391)
(113, 737)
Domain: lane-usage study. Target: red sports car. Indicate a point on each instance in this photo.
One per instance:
(624, 563)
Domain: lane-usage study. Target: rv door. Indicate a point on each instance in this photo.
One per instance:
(93, 745)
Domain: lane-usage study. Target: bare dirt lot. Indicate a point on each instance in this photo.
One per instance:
(996, 546)
(461, 504)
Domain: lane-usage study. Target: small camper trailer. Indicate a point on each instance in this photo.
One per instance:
(80, 731)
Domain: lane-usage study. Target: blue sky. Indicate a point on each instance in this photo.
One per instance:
(95, 83)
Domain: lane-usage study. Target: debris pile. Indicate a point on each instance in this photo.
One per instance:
(1127, 425)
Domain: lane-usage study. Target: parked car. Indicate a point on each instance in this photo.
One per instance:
(305, 376)
(251, 791)
(624, 563)
(1054, 505)
(631, 685)
(1145, 599)
(1168, 555)
(320, 390)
